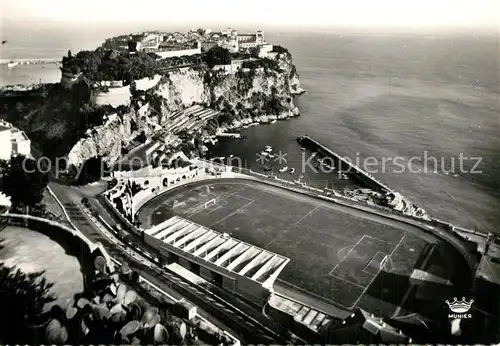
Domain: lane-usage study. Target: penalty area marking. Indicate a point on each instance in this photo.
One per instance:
(178, 204)
(378, 272)
(348, 253)
(348, 281)
(378, 266)
(346, 249)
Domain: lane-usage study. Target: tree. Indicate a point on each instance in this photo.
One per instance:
(23, 181)
(217, 56)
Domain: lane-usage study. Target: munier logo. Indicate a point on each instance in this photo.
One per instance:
(460, 307)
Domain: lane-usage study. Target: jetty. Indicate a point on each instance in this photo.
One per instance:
(228, 135)
(344, 165)
(39, 61)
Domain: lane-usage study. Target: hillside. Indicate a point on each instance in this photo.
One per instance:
(93, 118)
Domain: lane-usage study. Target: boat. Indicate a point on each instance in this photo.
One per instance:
(268, 168)
(12, 64)
(273, 121)
(283, 169)
(291, 170)
(327, 165)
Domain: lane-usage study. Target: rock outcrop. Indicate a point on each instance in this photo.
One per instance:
(90, 119)
(250, 95)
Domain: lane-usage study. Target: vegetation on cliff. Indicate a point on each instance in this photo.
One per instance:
(22, 180)
(53, 118)
(111, 65)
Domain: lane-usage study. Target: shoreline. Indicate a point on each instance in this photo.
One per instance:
(251, 121)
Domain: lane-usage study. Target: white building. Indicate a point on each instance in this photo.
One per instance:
(21, 144)
(13, 141)
(251, 40)
(4, 201)
(5, 143)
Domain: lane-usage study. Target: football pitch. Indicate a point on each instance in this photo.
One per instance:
(338, 255)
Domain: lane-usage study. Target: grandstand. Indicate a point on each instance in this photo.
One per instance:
(190, 119)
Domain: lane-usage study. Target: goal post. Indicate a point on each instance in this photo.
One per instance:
(210, 202)
(386, 264)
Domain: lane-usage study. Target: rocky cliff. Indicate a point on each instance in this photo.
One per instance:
(256, 92)
(82, 122)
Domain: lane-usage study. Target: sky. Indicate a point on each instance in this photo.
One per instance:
(285, 13)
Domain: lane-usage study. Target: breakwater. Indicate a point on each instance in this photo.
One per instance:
(37, 61)
(343, 165)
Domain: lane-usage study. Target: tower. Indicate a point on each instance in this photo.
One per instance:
(259, 37)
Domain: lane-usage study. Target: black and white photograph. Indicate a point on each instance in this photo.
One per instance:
(231, 173)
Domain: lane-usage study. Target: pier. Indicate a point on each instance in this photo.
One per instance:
(229, 135)
(39, 61)
(344, 165)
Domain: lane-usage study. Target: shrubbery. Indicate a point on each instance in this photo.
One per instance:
(217, 56)
(111, 65)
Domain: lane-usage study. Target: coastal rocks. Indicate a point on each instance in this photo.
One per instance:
(286, 64)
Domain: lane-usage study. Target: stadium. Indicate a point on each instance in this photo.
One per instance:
(258, 240)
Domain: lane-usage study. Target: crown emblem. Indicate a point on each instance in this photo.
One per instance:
(460, 306)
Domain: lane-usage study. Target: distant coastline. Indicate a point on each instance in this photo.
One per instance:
(29, 74)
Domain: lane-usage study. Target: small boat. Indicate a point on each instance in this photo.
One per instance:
(12, 64)
(327, 166)
(268, 168)
(291, 170)
(283, 169)
(273, 121)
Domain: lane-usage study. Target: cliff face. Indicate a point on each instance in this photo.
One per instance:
(254, 94)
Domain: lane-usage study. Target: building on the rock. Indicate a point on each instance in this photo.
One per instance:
(21, 144)
(13, 142)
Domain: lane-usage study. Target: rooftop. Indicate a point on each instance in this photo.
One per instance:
(18, 135)
(221, 250)
(489, 267)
